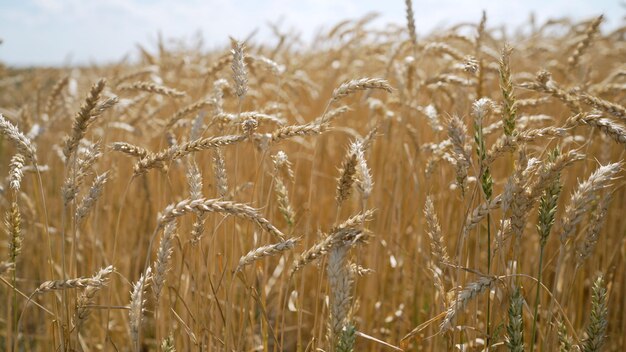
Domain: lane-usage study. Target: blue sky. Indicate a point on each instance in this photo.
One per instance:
(54, 32)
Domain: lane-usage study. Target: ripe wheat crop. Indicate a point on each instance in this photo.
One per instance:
(373, 190)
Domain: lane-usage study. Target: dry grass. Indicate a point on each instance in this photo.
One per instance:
(251, 188)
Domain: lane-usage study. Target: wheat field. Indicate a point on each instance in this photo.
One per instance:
(375, 190)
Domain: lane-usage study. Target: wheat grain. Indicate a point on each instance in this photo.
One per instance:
(151, 87)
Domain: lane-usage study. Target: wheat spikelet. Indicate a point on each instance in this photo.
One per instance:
(549, 201)
(219, 169)
(187, 110)
(355, 221)
(451, 79)
(551, 172)
(137, 301)
(522, 122)
(266, 251)
(283, 166)
(506, 87)
(593, 230)
(80, 282)
(22, 143)
(308, 129)
(54, 94)
(90, 199)
(79, 170)
(161, 263)
(129, 149)
(249, 126)
(157, 160)
(194, 180)
(358, 270)
(470, 291)
(582, 199)
(151, 69)
(87, 114)
(167, 345)
(16, 167)
(457, 131)
(443, 48)
(86, 298)
(612, 108)
(13, 224)
(186, 206)
(347, 339)
(345, 232)
(410, 19)
(331, 115)
(363, 177)
(544, 83)
(596, 330)
(340, 282)
(480, 212)
(347, 175)
(322, 248)
(272, 66)
(151, 87)
(582, 45)
(515, 327)
(238, 65)
(565, 341)
(355, 85)
(437, 245)
(284, 205)
(506, 143)
(609, 127)
(247, 115)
